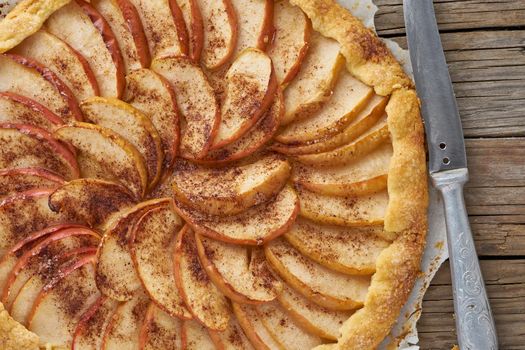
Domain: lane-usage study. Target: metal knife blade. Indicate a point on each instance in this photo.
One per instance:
(434, 87)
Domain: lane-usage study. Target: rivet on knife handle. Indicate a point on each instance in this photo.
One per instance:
(474, 322)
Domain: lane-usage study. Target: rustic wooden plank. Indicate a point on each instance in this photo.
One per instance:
(501, 235)
(488, 72)
(505, 280)
(455, 15)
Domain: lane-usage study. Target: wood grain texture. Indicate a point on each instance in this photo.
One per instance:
(455, 15)
(505, 281)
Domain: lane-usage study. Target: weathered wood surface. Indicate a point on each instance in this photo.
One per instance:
(484, 42)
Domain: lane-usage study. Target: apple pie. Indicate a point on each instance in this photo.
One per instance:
(204, 174)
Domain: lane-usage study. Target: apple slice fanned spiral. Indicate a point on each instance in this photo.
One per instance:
(188, 174)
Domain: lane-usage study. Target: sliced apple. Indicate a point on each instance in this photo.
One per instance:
(131, 124)
(313, 85)
(160, 330)
(17, 180)
(83, 28)
(250, 91)
(343, 211)
(152, 94)
(255, 226)
(325, 287)
(123, 330)
(284, 330)
(91, 201)
(253, 327)
(312, 317)
(90, 329)
(124, 20)
(195, 337)
(19, 109)
(154, 234)
(255, 21)
(290, 44)
(194, 26)
(104, 154)
(364, 121)
(366, 175)
(26, 297)
(164, 27)
(351, 250)
(239, 272)
(28, 78)
(254, 139)
(60, 305)
(363, 145)
(115, 277)
(230, 190)
(64, 61)
(350, 97)
(197, 101)
(220, 32)
(232, 337)
(207, 304)
(43, 259)
(23, 145)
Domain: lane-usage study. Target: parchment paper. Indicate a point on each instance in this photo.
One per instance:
(404, 336)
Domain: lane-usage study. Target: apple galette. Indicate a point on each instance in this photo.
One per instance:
(201, 174)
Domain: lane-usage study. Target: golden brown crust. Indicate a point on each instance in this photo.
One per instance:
(25, 19)
(14, 336)
(367, 57)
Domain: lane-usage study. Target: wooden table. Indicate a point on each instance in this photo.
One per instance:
(484, 43)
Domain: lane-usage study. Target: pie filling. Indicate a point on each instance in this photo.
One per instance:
(188, 174)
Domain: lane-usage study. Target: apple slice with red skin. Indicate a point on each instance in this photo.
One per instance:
(124, 20)
(253, 327)
(250, 91)
(290, 43)
(22, 214)
(154, 234)
(220, 32)
(232, 337)
(62, 302)
(23, 145)
(29, 78)
(255, 21)
(83, 28)
(104, 154)
(195, 336)
(71, 67)
(197, 101)
(123, 330)
(114, 276)
(92, 201)
(15, 180)
(207, 304)
(230, 190)
(194, 27)
(19, 109)
(253, 140)
(256, 226)
(241, 273)
(90, 329)
(152, 94)
(40, 257)
(160, 330)
(284, 330)
(164, 27)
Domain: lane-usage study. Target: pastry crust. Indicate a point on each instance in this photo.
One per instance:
(25, 19)
(370, 61)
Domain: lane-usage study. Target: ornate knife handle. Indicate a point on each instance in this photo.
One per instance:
(474, 321)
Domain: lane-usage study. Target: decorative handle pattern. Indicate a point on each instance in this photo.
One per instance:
(474, 321)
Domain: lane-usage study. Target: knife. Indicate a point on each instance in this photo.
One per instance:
(448, 170)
